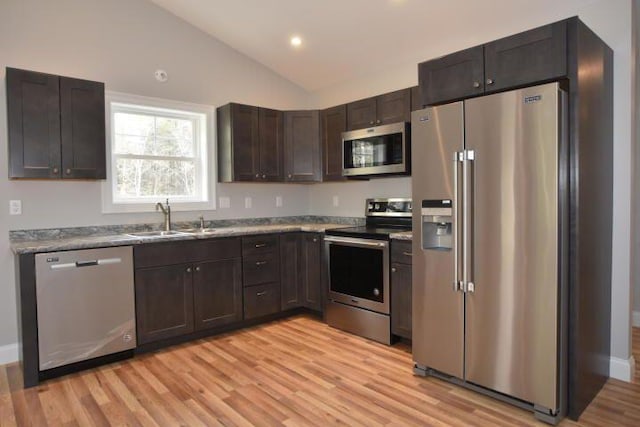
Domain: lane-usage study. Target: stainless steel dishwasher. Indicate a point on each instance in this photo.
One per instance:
(86, 306)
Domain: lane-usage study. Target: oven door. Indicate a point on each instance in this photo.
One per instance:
(358, 271)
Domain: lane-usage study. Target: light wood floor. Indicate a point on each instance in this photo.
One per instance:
(293, 372)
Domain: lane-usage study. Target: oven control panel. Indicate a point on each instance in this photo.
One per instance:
(398, 207)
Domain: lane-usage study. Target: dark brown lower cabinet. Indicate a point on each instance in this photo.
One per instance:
(217, 293)
(202, 290)
(261, 300)
(401, 299)
(300, 267)
(164, 302)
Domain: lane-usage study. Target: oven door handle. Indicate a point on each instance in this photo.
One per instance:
(363, 243)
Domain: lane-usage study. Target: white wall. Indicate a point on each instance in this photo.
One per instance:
(635, 189)
(611, 20)
(122, 42)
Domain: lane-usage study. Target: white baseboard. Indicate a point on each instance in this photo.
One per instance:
(622, 369)
(636, 319)
(8, 354)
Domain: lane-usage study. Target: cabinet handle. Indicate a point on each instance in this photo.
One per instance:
(260, 245)
(407, 254)
(68, 171)
(197, 268)
(264, 176)
(260, 294)
(188, 269)
(377, 121)
(490, 81)
(257, 175)
(393, 269)
(259, 263)
(476, 84)
(371, 122)
(55, 170)
(289, 176)
(315, 239)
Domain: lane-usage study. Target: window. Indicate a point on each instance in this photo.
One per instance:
(158, 150)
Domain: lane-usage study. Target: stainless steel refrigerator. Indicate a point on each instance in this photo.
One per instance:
(489, 250)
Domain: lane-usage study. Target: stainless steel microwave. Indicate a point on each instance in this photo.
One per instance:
(380, 150)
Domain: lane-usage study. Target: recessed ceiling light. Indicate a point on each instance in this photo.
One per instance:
(296, 41)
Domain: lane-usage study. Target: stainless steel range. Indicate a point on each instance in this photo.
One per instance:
(358, 269)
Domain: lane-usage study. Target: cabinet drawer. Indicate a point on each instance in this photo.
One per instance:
(169, 253)
(401, 252)
(260, 268)
(261, 300)
(259, 244)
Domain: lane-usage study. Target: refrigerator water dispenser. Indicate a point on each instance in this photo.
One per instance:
(437, 225)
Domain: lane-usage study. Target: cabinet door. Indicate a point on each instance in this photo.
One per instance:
(361, 114)
(291, 291)
(311, 271)
(164, 302)
(302, 146)
(394, 107)
(416, 99)
(217, 293)
(245, 142)
(532, 56)
(33, 113)
(271, 144)
(455, 76)
(334, 122)
(401, 300)
(82, 129)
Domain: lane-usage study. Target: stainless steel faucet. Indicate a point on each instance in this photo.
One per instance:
(201, 218)
(167, 214)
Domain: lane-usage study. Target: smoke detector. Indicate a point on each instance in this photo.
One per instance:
(161, 76)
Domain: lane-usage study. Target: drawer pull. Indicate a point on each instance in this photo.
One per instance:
(259, 263)
(260, 245)
(261, 294)
(393, 269)
(407, 254)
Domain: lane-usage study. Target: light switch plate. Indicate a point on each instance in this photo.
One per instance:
(15, 207)
(336, 201)
(278, 201)
(247, 202)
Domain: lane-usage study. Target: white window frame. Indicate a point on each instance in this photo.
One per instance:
(203, 116)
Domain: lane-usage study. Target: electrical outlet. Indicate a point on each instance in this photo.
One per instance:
(247, 202)
(224, 202)
(336, 201)
(15, 207)
(278, 201)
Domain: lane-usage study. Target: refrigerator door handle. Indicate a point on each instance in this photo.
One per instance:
(467, 227)
(458, 156)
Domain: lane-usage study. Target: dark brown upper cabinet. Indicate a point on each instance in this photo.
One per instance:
(302, 146)
(390, 107)
(56, 126)
(416, 99)
(250, 143)
(334, 122)
(526, 58)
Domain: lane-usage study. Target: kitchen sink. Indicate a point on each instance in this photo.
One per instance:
(200, 230)
(157, 234)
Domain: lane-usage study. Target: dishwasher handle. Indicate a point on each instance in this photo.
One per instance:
(78, 264)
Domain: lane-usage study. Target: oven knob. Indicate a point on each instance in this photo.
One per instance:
(377, 206)
(376, 291)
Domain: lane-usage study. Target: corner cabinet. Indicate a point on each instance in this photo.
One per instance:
(182, 287)
(56, 126)
(301, 284)
(529, 57)
(250, 143)
(302, 146)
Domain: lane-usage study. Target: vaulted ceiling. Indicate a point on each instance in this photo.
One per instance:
(342, 39)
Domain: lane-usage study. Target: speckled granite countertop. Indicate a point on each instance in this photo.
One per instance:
(100, 241)
(403, 235)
